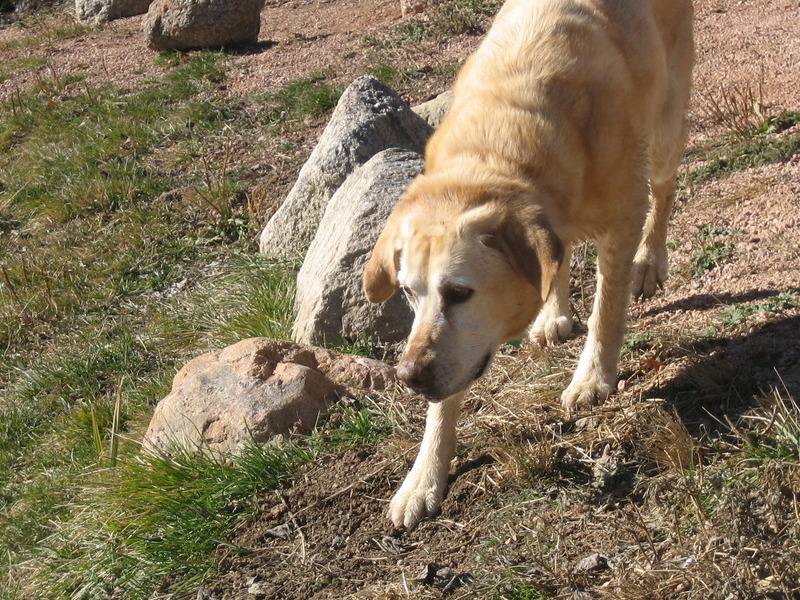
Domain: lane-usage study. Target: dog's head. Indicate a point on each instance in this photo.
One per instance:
(475, 267)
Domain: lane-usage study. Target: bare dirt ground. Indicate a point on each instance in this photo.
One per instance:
(528, 498)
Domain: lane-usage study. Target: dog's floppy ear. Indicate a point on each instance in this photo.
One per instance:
(380, 275)
(531, 246)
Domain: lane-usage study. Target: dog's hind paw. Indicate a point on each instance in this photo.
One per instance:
(649, 272)
(414, 501)
(584, 394)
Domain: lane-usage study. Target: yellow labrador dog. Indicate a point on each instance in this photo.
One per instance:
(566, 123)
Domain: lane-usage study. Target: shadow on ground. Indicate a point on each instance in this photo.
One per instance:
(726, 375)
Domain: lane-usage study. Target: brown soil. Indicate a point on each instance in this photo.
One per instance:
(327, 536)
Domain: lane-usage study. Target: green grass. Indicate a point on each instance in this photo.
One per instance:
(98, 272)
(125, 249)
(250, 297)
(156, 521)
(712, 252)
(736, 315)
(104, 291)
(763, 146)
(522, 591)
(302, 100)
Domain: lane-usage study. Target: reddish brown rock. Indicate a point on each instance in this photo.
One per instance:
(256, 389)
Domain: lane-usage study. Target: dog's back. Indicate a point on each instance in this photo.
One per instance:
(570, 91)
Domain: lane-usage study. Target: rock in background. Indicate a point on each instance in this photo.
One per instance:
(434, 111)
(192, 24)
(100, 11)
(330, 301)
(253, 390)
(369, 118)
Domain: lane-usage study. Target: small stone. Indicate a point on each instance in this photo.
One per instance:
(585, 423)
(281, 532)
(593, 562)
(261, 589)
(427, 574)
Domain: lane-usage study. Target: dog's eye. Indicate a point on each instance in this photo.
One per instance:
(457, 294)
(407, 291)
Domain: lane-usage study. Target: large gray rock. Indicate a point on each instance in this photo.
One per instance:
(100, 11)
(254, 390)
(434, 111)
(369, 118)
(330, 300)
(191, 24)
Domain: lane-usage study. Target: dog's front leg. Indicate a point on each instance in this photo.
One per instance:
(423, 490)
(596, 374)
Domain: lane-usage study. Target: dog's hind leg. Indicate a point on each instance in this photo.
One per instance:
(423, 490)
(650, 267)
(669, 138)
(553, 324)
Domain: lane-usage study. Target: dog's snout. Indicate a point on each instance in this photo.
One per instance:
(416, 374)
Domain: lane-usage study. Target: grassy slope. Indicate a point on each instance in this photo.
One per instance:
(108, 282)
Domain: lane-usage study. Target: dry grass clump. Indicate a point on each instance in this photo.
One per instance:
(738, 108)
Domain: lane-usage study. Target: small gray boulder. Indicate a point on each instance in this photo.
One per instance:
(330, 300)
(434, 111)
(369, 118)
(193, 24)
(100, 11)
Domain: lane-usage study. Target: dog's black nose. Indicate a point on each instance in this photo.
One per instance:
(416, 374)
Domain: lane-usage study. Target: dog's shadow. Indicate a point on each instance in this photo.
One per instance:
(711, 301)
(726, 375)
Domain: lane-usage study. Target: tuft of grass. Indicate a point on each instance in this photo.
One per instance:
(736, 315)
(712, 252)
(776, 434)
(739, 108)
(302, 100)
(354, 423)
(460, 17)
(522, 591)
(447, 19)
(154, 523)
(762, 146)
(249, 297)
(218, 198)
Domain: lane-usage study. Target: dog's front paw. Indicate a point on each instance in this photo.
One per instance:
(586, 393)
(416, 499)
(550, 328)
(650, 269)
